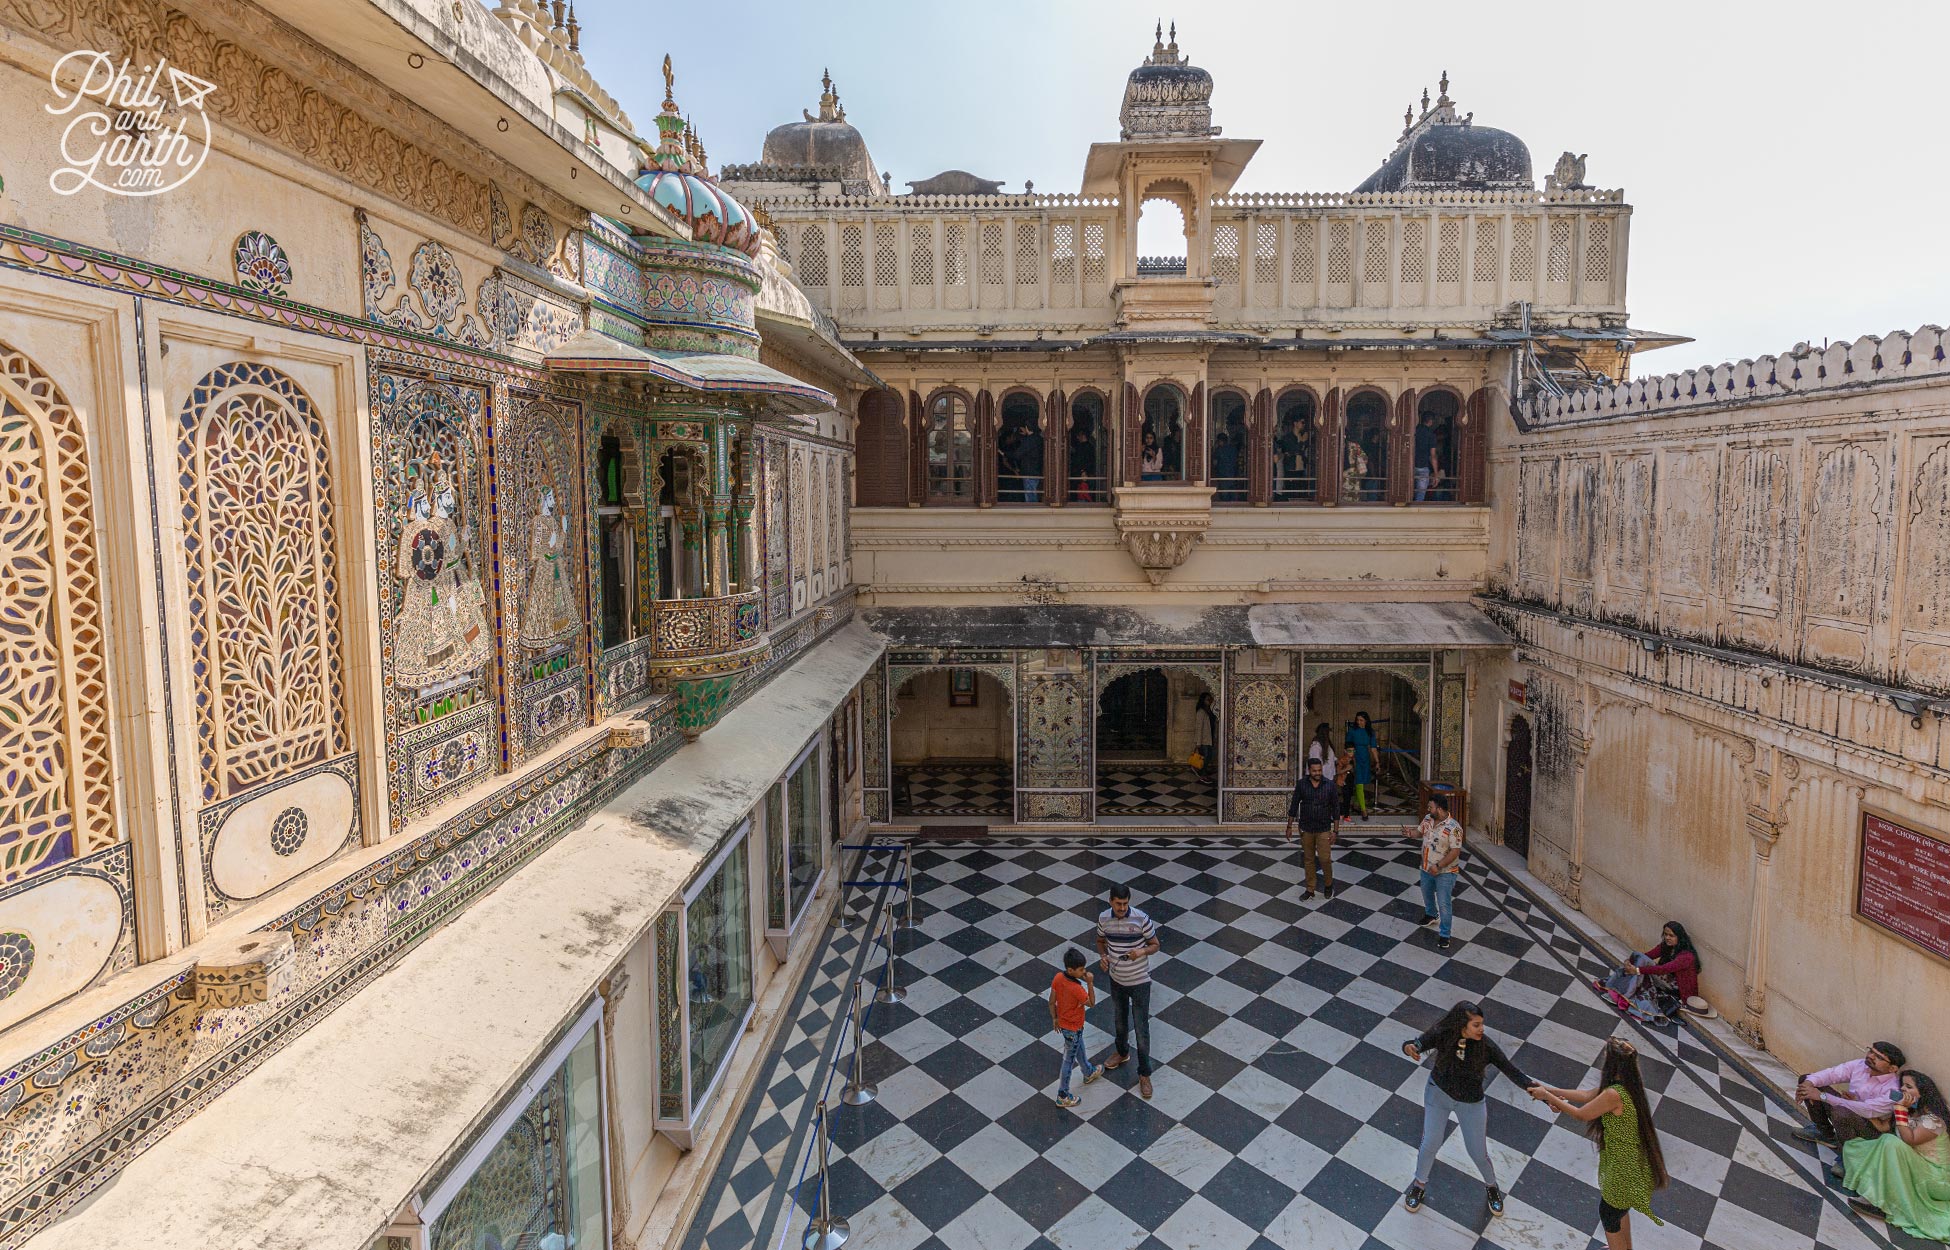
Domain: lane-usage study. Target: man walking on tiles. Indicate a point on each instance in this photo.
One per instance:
(1126, 940)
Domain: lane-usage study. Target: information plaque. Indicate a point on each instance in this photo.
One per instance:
(1903, 882)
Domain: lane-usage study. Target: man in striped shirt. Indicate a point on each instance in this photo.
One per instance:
(1126, 940)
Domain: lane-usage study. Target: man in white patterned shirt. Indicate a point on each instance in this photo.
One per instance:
(1126, 940)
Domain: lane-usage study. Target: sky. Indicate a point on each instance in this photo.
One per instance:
(1785, 161)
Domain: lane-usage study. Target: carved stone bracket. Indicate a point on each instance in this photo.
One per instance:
(1160, 525)
(252, 969)
(1764, 829)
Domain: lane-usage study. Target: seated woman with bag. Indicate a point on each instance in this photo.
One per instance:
(1652, 987)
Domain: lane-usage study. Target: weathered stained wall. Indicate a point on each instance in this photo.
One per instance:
(1714, 603)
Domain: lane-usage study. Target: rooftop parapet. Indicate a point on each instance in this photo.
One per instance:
(1896, 357)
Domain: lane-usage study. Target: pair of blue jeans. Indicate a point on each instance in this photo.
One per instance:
(1074, 1056)
(1438, 898)
(1472, 1117)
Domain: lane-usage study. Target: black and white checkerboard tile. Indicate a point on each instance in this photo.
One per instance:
(954, 789)
(1284, 1115)
(1152, 790)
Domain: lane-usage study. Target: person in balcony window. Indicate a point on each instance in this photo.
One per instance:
(1290, 447)
(1151, 462)
(1428, 457)
(1029, 462)
(1008, 477)
(1354, 477)
(1083, 464)
(1225, 468)
(1173, 446)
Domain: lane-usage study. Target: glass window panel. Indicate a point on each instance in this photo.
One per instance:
(808, 834)
(719, 929)
(542, 1184)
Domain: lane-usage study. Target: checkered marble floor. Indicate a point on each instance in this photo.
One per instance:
(1152, 790)
(1284, 1115)
(977, 788)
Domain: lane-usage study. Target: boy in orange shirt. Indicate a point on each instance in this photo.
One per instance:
(1072, 991)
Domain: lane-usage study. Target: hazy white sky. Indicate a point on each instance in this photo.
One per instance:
(1785, 161)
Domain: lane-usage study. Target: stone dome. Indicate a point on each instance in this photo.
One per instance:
(1443, 150)
(1167, 97)
(826, 142)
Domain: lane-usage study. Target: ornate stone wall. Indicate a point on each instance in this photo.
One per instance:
(1714, 708)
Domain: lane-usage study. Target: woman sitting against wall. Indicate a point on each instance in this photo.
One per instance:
(1653, 986)
(1903, 1176)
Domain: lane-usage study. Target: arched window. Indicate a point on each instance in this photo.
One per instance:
(880, 443)
(1019, 451)
(57, 795)
(616, 559)
(1436, 447)
(1295, 440)
(1229, 452)
(262, 561)
(951, 451)
(1161, 441)
(1089, 450)
(1364, 453)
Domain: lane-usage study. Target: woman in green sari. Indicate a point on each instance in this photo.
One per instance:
(1903, 1176)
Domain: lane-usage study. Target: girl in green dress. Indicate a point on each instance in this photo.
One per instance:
(1619, 1119)
(1903, 1176)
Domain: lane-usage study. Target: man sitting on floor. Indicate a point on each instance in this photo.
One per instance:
(1871, 1083)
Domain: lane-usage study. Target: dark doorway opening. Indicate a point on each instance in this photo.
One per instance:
(1516, 788)
(1135, 717)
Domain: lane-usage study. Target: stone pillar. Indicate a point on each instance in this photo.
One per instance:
(611, 989)
(716, 556)
(1765, 832)
(1580, 752)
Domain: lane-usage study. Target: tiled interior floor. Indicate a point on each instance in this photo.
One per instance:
(954, 788)
(1284, 1114)
(1153, 790)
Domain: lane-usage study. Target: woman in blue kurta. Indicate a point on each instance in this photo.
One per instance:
(1360, 740)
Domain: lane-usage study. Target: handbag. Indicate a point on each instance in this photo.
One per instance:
(1197, 760)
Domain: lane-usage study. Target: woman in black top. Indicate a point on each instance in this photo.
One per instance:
(1462, 1061)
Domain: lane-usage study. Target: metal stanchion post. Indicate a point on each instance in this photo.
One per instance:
(891, 992)
(907, 875)
(825, 1232)
(857, 1092)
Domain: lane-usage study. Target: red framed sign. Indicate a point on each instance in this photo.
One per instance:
(1902, 882)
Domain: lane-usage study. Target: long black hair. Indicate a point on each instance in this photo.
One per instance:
(1324, 735)
(1684, 943)
(1618, 1064)
(1448, 1031)
(1929, 1099)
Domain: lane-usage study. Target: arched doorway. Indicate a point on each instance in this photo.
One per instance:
(1149, 723)
(954, 745)
(1395, 711)
(1516, 787)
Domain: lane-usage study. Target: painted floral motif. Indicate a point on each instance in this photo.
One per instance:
(288, 831)
(16, 961)
(434, 279)
(261, 264)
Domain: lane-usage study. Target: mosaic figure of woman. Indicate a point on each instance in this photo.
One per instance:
(442, 632)
(548, 612)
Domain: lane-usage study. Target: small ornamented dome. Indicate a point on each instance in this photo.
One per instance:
(1167, 97)
(678, 179)
(826, 142)
(1440, 149)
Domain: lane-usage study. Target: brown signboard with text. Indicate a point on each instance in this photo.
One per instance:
(1902, 882)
